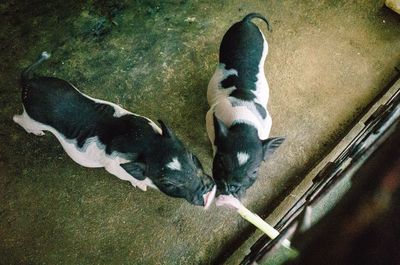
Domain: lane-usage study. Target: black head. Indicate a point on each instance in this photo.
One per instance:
(176, 171)
(239, 153)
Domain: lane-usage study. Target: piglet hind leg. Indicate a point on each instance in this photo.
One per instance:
(30, 125)
(119, 172)
(210, 129)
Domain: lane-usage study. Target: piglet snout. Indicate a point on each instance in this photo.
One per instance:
(209, 197)
(228, 201)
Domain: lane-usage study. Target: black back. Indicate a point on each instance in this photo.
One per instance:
(241, 49)
(57, 103)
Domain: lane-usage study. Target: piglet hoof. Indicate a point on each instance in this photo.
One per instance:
(38, 133)
(141, 186)
(17, 118)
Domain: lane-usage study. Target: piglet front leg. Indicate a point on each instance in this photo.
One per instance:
(119, 172)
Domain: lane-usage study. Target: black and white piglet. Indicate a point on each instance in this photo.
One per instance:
(97, 133)
(238, 122)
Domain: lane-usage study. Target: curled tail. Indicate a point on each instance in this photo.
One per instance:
(250, 16)
(28, 72)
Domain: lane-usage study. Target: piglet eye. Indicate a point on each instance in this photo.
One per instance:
(234, 188)
(254, 174)
(168, 184)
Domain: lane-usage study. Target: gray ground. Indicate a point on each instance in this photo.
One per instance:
(327, 61)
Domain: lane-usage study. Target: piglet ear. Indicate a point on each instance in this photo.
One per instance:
(270, 145)
(166, 132)
(135, 169)
(221, 131)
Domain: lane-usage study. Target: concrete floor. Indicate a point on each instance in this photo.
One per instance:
(327, 61)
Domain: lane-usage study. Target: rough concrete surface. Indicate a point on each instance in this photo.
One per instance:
(327, 61)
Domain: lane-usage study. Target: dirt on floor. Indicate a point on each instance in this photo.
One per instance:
(327, 60)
